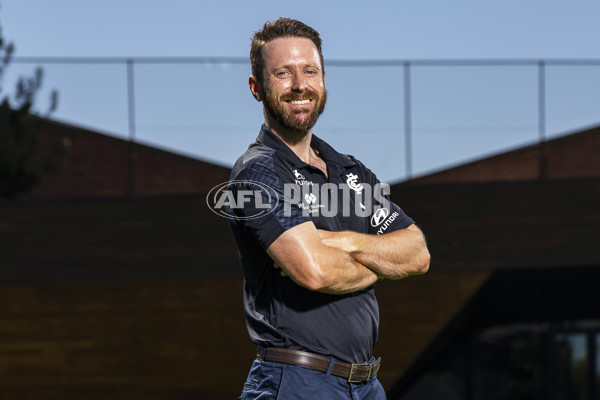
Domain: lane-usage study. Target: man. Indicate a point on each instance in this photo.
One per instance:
(309, 273)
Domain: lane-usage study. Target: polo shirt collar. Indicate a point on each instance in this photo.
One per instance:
(328, 153)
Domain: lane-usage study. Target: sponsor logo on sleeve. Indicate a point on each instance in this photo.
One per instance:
(379, 216)
(382, 219)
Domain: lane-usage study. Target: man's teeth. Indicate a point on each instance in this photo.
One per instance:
(299, 101)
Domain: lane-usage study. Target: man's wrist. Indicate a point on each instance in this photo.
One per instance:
(352, 242)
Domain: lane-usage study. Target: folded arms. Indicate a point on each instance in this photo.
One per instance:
(345, 262)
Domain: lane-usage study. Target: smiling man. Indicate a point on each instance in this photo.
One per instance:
(329, 235)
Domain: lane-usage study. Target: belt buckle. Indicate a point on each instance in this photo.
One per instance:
(360, 365)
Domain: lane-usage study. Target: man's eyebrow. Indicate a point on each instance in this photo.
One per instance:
(291, 66)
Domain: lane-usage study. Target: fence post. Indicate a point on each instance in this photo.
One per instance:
(407, 121)
(542, 120)
(132, 156)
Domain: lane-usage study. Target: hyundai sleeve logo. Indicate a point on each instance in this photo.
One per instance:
(379, 216)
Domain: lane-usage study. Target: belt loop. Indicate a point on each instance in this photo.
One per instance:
(331, 363)
(260, 352)
(376, 365)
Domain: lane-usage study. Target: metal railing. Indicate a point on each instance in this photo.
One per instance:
(407, 68)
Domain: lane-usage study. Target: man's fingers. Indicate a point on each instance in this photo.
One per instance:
(283, 273)
(322, 233)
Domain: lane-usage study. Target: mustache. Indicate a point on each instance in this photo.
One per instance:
(297, 97)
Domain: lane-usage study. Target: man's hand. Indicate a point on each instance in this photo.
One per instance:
(282, 272)
(339, 240)
(394, 255)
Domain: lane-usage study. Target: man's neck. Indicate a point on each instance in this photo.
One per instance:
(298, 142)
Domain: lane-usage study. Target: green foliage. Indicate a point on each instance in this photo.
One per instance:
(23, 165)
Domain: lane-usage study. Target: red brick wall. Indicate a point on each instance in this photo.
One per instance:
(572, 156)
(97, 165)
(141, 298)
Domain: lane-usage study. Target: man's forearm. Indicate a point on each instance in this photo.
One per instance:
(302, 256)
(344, 275)
(394, 255)
(347, 275)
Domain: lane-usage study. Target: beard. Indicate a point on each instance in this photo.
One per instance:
(294, 122)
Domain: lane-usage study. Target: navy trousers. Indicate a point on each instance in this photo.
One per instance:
(271, 380)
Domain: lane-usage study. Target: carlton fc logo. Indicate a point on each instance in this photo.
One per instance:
(352, 181)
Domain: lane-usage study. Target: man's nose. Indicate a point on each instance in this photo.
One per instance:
(299, 83)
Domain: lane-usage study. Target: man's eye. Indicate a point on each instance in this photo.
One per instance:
(281, 73)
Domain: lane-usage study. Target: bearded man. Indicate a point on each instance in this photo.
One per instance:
(328, 235)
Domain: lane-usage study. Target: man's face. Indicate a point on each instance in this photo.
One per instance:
(294, 91)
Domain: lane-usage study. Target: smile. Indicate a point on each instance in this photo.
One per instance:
(299, 102)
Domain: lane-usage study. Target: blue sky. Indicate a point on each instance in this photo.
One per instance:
(459, 113)
(351, 29)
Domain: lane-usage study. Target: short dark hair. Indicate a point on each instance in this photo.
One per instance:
(281, 27)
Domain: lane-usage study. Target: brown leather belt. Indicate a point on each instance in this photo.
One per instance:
(354, 373)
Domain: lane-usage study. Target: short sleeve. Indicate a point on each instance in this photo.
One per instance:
(387, 216)
(262, 207)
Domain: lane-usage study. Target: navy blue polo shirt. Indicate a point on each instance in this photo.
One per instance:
(278, 311)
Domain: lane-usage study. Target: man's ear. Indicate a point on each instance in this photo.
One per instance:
(253, 84)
